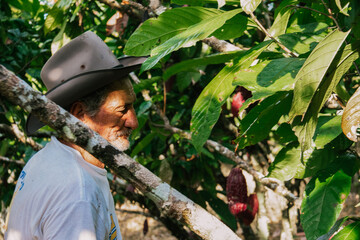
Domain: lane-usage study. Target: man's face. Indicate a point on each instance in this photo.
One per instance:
(116, 118)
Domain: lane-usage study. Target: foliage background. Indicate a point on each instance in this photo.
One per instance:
(289, 129)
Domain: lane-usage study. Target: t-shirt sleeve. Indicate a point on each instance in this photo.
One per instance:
(78, 221)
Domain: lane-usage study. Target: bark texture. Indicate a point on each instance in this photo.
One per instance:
(170, 202)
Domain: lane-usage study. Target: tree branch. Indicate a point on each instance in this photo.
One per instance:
(133, 9)
(220, 45)
(272, 183)
(288, 51)
(5, 159)
(15, 131)
(169, 200)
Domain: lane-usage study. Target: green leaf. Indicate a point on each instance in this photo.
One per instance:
(287, 163)
(268, 77)
(60, 39)
(313, 71)
(282, 15)
(233, 28)
(188, 37)
(334, 228)
(328, 130)
(324, 196)
(53, 20)
(249, 5)
(207, 108)
(257, 124)
(203, 61)
(154, 32)
(343, 10)
(143, 143)
(350, 232)
(202, 2)
(302, 42)
(340, 65)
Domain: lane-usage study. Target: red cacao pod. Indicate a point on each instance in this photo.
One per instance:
(236, 188)
(236, 208)
(238, 99)
(248, 216)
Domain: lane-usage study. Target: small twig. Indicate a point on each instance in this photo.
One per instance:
(15, 131)
(288, 51)
(133, 9)
(5, 159)
(220, 45)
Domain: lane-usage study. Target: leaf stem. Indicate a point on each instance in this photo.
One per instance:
(271, 37)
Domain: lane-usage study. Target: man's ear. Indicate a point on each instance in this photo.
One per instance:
(78, 110)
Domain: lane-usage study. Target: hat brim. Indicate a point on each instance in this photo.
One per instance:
(80, 86)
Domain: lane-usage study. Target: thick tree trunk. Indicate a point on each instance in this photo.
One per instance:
(170, 202)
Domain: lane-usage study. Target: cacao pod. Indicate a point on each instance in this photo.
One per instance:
(238, 100)
(242, 206)
(236, 188)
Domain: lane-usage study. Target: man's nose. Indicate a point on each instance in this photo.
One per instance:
(131, 119)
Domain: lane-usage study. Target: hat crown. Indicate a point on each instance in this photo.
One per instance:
(83, 54)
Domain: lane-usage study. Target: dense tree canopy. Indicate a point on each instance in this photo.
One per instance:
(264, 86)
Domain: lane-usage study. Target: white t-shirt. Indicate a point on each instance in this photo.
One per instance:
(61, 196)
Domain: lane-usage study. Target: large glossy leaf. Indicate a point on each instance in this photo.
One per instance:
(350, 232)
(301, 42)
(207, 108)
(203, 61)
(287, 163)
(249, 5)
(313, 71)
(233, 28)
(268, 77)
(333, 229)
(202, 2)
(188, 37)
(154, 32)
(257, 124)
(330, 128)
(54, 19)
(324, 197)
(282, 15)
(340, 65)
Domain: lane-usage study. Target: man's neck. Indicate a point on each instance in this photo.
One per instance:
(85, 154)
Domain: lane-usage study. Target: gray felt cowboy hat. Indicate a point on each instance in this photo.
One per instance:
(79, 68)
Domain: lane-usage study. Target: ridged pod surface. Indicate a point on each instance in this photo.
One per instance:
(242, 206)
(351, 117)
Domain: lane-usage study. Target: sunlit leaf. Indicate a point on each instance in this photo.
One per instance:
(287, 163)
(257, 124)
(202, 2)
(188, 37)
(350, 232)
(154, 32)
(340, 65)
(268, 77)
(323, 201)
(329, 130)
(249, 5)
(313, 71)
(54, 19)
(207, 107)
(343, 10)
(282, 15)
(203, 61)
(334, 228)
